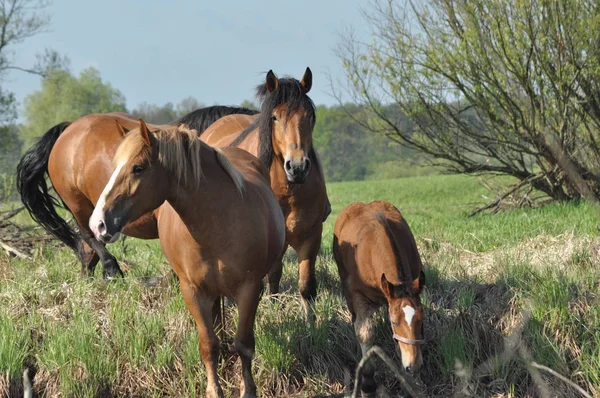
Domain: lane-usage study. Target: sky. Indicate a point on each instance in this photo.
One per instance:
(216, 51)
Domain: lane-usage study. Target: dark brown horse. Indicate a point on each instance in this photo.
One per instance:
(219, 226)
(281, 137)
(77, 159)
(379, 264)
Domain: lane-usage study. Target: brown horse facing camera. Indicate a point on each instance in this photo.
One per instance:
(281, 137)
(379, 264)
(219, 224)
(77, 157)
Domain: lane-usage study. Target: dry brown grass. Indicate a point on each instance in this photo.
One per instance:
(473, 313)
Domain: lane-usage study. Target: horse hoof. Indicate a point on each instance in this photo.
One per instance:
(112, 273)
(151, 281)
(214, 392)
(248, 393)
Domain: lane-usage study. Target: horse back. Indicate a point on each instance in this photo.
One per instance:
(81, 158)
(227, 129)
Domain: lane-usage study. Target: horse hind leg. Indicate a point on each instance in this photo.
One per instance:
(247, 300)
(88, 257)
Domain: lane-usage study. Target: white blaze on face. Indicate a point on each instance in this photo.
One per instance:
(409, 313)
(98, 213)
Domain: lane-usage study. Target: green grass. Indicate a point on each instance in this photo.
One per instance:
(94, 338)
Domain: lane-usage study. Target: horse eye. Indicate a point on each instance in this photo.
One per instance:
(274, 117)
(137, 170)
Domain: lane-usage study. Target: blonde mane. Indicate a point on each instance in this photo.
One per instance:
(178, 152)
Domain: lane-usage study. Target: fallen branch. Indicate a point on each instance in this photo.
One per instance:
(13, 251)
(511, 191)
(377, 351)
(12, 213)
(563, 378)
(536, 376)
(514, 345)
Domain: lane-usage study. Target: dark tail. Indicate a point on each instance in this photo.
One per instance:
(200, 119)
(32, 186)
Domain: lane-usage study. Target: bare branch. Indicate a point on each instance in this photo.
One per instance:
(369, 356)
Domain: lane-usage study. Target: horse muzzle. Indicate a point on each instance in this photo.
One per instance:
(105, 231)
(297, 171)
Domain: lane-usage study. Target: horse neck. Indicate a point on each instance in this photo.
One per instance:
(196, 205)
(395, 264)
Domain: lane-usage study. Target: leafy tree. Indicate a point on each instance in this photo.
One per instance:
(166, 113)
(187, 105)
(490, 86)
(10, 150)
(348, 152)
(342, 145)
(248, 104)
(66, 97)
(155, 114)
(19, 20)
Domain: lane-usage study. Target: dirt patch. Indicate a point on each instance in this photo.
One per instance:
(21, 240)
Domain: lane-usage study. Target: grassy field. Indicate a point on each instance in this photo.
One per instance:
(503, 291)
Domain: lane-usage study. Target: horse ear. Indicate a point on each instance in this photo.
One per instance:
(306, 81)
(419, 282)
(272, 81)
(387, 287)
(145, 132)
(121, 129)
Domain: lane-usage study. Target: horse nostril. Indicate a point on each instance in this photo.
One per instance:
(101, 227)
(306, 163)
(409, 369)
(288, 165)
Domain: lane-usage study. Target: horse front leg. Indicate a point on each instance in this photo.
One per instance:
(365, 333)
(307, 250)
(201, 308)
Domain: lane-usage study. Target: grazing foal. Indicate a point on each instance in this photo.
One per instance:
(219, 224)
(379, 264)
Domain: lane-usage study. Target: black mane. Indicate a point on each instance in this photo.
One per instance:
(200, 119)
(289, 92)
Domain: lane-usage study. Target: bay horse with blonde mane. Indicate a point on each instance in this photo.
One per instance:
(379, 264)
(219, 224)
(281, 137)
(77, 158)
